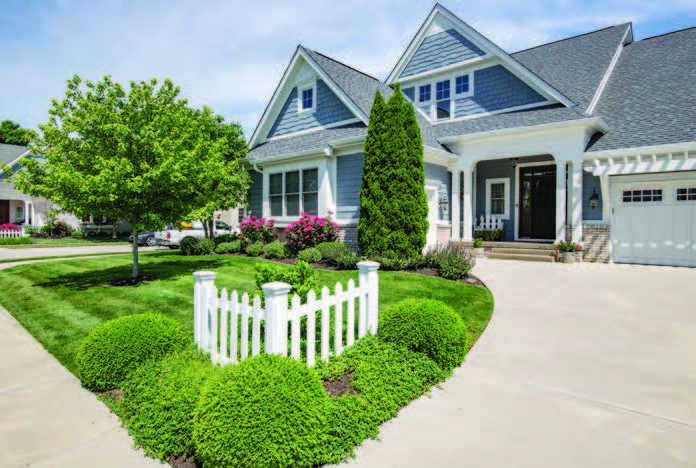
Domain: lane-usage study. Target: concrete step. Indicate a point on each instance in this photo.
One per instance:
(521, 257)
(521, 250)
(510, 245)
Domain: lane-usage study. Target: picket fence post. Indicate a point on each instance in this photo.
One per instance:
(203, 290)
(276, 318)
(369, 284)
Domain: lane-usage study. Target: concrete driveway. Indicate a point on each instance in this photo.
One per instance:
(581, 365)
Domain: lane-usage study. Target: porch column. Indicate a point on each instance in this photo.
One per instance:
(560, 199)
(467, 216)
(606, 199)
(575, 217)
(456, 206)
(26, 212)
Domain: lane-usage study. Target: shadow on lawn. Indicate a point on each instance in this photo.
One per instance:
(161, 270)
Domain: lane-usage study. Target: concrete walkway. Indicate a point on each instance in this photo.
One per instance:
(8, 254)
(582, 365)
(46, 418)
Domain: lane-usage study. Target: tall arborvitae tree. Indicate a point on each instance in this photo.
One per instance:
(393, 205)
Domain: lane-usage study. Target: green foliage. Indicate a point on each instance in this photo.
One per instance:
(426, 326)
(275, 249)
(12, 134)
(392, 264)
(159, 399)
(301, 277)
(565, 247)
(309, 231)
(332, 250)
(189, 245)
(489, 234)
(226, 248)
(115, 348)
(206, 247)
(310, 255)
(393, 206)
(225, 238)
(256, 229)
(255, 249)
(141, 155)
(455, 268)
(15, 241)
(347, 261)
(387, 378)
(478, 243)
(266, 411)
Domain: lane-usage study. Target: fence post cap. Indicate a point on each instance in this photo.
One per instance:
(276, 288)
(368, 266)
(204, 275)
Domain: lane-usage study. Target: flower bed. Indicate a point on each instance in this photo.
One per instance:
(310, 231)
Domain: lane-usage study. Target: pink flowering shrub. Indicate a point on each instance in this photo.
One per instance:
(256, 229)
(310, 231)
(9, 227)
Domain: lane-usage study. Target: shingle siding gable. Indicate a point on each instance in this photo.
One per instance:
(329, 109)
(439, 50)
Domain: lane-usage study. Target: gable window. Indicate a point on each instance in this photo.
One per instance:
(294, 192)
(424, 93)
(442, 95)
(307, 98)
(462, 85)
(498, 197)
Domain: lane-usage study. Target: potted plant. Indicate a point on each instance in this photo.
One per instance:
(567, 250)
(478, 248)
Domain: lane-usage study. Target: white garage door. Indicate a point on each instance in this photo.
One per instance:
(654, 220)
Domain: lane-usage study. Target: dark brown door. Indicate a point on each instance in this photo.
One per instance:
(4, 211)
(537, 202)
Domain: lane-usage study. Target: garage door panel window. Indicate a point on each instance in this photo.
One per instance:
(642, 196)
(686, 194)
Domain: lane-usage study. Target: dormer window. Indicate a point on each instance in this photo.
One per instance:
(424, 93)
(307, 98)
(442, 95)
(462, 85)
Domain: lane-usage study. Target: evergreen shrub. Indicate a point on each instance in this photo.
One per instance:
(310, 255)
(255, 249)
(275, 249)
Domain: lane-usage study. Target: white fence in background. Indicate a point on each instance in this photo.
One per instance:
(10, 234)
(489, 222)
(222, 322)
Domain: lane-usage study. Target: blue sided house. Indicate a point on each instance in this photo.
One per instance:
(590, 139)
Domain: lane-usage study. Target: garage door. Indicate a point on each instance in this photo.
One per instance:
(654, 220)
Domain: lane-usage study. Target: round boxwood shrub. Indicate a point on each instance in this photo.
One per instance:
(266, 411)
(275, 249)
(159, 399)
(310, 255)
(255, 249)
(114, 349)
(426, 326)
(189, 245)
(206, 247)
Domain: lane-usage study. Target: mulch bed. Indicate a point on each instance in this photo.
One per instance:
(340, 387)
(132, 281)
(185, 462)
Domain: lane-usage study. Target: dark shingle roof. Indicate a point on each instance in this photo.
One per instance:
(650, 98)
(575, 66)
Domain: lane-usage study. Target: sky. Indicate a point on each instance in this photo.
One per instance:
(230, 54)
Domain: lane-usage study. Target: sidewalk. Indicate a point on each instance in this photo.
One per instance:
(46, 418)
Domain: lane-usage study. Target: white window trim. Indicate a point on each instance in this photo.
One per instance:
(432, 102)
(506, 182)
(471, 85)
(304, 87)
(284, 216)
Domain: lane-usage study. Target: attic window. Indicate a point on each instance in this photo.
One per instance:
(462, 85)
(307, 99)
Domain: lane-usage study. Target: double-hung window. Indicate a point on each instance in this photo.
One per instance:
(307, 98)
(294, 192)
(498, 197)
(442, 96)
(424, 93)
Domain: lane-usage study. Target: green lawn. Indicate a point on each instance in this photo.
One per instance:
(67, 242)
(60, 302)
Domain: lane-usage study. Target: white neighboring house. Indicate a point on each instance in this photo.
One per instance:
(17, 207)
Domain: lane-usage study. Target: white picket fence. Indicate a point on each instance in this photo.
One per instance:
(10, 234)
(489, 222)
(222, 328)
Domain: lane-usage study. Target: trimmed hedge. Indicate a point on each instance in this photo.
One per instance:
(332, 250)
(226, 247)
(111, 351)
(254, 250)
(266, 411)
(489, 234)
(275, 249)
(159, 399)
(15, 241)
(429, 327)
(310, 255)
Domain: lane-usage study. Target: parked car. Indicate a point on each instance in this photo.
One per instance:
(145, 238)
(171, 237)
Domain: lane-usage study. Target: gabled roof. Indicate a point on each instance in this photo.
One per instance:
(650, 98)
(482, 43)
(576, 65)
(9, 155)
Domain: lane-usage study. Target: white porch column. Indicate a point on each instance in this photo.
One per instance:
(575, 217)
(468, 216)
(26, 211)
(606, 199)
(560, 199)
(456, 206)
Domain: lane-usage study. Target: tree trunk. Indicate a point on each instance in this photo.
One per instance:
(113, 231)
(135, 253)
(205, 228)
(211, 228)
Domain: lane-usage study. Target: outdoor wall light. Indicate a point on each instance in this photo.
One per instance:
(594, 199)
(514, 162)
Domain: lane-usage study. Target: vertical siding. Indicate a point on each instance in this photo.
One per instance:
(348, 181)
(439, 50)
(495, 88)
(442, 175)
(329, 109)
(255, 194)
(589, 183)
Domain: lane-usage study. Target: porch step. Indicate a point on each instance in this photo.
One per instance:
(511, 250)
(521, 257)
(509, 245)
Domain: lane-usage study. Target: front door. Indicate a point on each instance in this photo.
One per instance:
(537, 208)
(4, 211)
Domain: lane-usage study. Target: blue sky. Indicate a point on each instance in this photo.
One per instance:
(230, 54)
